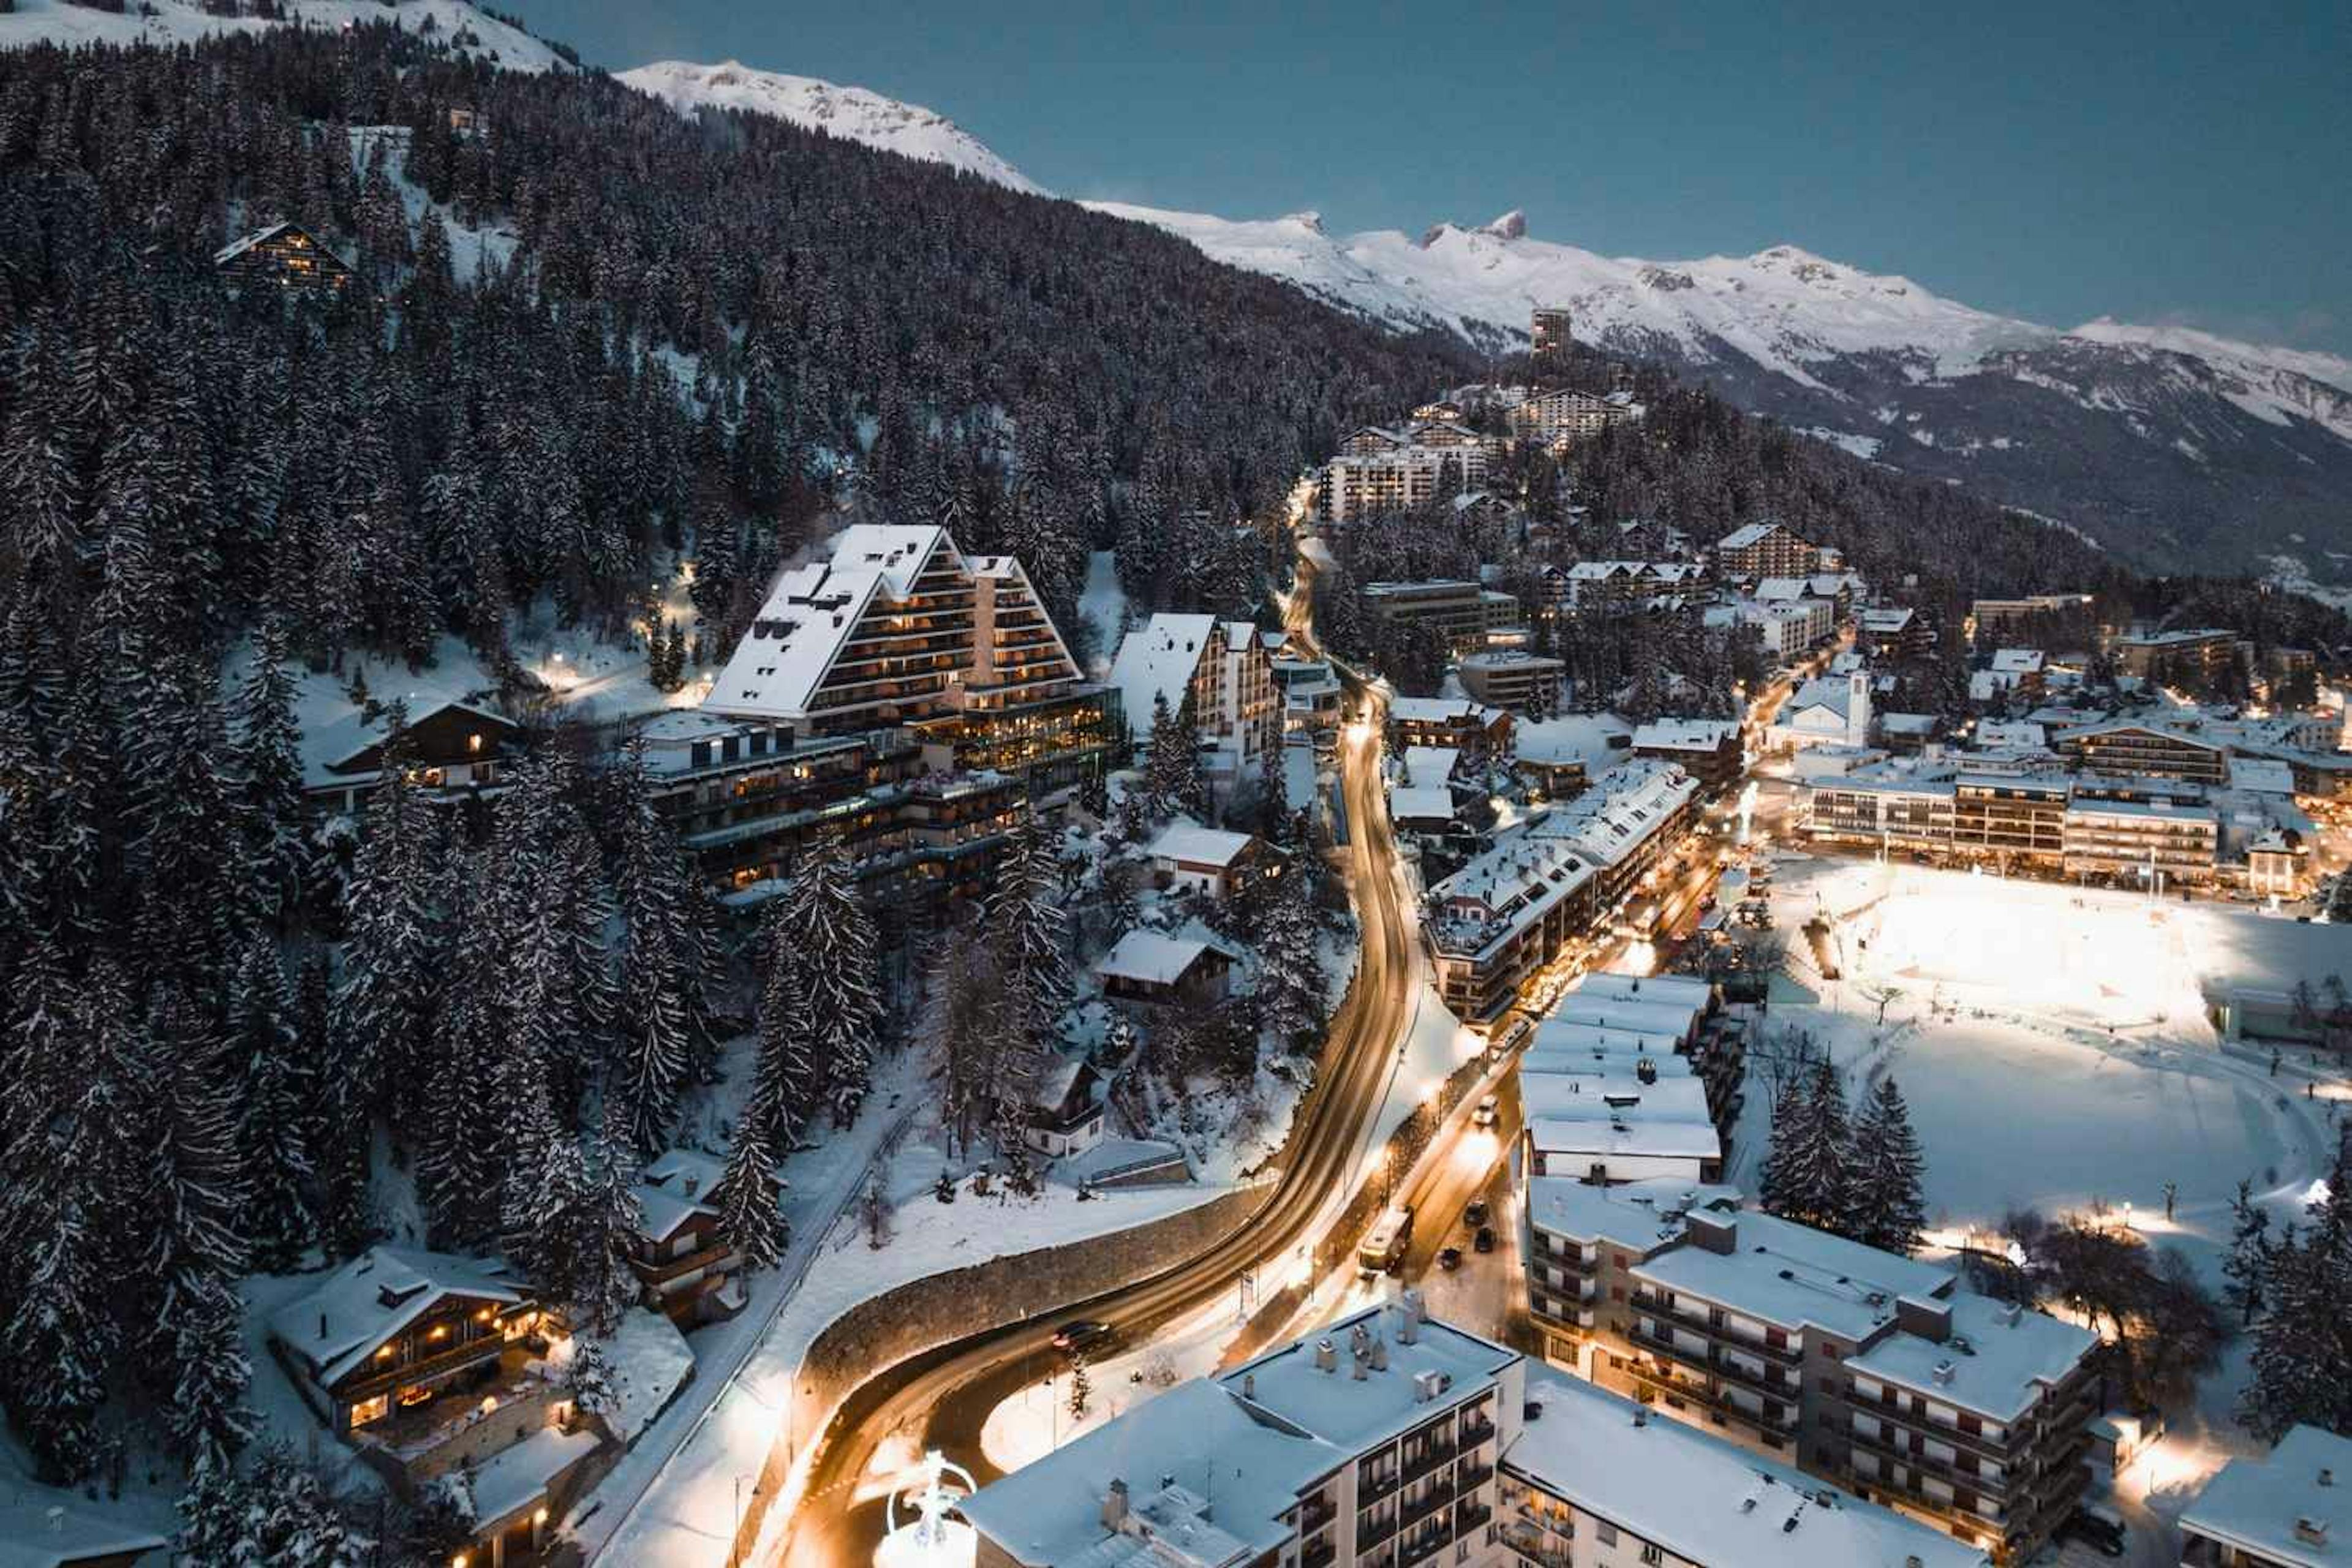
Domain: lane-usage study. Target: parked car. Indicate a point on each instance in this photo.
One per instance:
(1450, 1259)
(2099, 1527)
(1475, 1214)
(1489, 1108)
(1080, 1334)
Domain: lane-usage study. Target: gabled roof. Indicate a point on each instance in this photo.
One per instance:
(374, 1296)
(1748, 533)
(1152, 957)
(44, 1529)
(1159, 659)
(1201, 845)
(2255, 1504)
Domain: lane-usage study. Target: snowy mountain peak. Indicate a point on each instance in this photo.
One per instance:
(1306, 218)
(461, 27)
(852, 113)
(1512, 224)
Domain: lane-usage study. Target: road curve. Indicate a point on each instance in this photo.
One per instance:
(933, 1398)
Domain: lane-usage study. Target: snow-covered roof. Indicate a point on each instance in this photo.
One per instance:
(1198, 1434)
(516, 1479)
(2255, 1504)
(2261, 775)
(1792, 1275)
(2140, 727)
(1907, 723)
(1641, 1213)
(1421, 803)
(1702, 1499)
(2010, 735)
(1624, 806)
(2174, 639)
(44, 1529)
(1772, 590)
(1439, 711)
(1821, 692)
(376, 1295)
(1431, 764)
(1572, 738)
(1612, 1092)
(1560, 1045)
(1200, 845)
(682, 1191)
(238, 248)
(1661, 1017)
(1151, 956)
(334, 739)
(1675, 988)
(1996, 1360)
(1355, 1415)
(1158, 659)
(1748, 533)
(1888, 618)
(1684, 734)
(2018, 661)
(1632, 1138)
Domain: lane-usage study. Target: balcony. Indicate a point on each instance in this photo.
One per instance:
(1783, 1426)
(1474, 1434)
(1471, 1476)
(1889, 1448)
(1471, 1516)
(1421, 1548)
(1700, 1323)
(1373, 1490)
(2000, 1450)
(487, 1347)
(659, 1274)
(1420, 1464)
(1529, 1541)
(1319, 1555)
(1718, 1365)
(1316, 1513)
(1413, 1512)
(1917, 1496)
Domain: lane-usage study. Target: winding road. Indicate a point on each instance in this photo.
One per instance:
(940, 1399)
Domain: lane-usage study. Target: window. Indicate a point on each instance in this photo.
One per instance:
(367, 1410)
(1652, 1555)
(1604, 1533)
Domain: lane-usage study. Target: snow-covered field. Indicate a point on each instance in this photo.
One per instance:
(169, 22)
(2052, 1042)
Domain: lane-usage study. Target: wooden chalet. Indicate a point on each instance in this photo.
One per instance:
(397, 1327)
(453, 746)
(283, 255)
(682, 1259)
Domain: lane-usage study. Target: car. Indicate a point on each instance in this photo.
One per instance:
(1485, 1240)
(1080, 1333)
(1450, 1259)
(1489, 1108)
(1475, 1214)
(2100, 1529)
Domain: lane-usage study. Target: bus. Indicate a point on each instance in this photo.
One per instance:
(1383, 1249)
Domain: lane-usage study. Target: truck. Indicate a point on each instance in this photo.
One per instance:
(1384, 1245)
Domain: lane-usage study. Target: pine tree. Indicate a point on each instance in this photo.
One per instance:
(1027, 929)
(266, 771)
(2250, 1251)
(1291, 980)
(786, 1077)
(273, 1128)
(278, 1514)
(839, 980)
(1082, 1388)
(2302, 1360)
(1884, 1205)
(603, 1228)
(391, 953)
(961, 1026)
(1804, 1168)
(749, 1215)
(588, 1377)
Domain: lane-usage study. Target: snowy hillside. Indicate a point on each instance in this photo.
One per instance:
(2166, 443)
(853, 113)
(180, 21)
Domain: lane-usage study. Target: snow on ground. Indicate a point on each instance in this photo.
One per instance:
(649, 1362)
(728, 1424)
(469, 246)
(169, 22)
(1104, 603)
(1036, 1420)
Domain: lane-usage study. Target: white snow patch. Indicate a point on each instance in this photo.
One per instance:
(167, 22)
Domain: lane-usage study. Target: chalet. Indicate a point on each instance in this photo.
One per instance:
(1153, 967)
(1451, 722)
(1708, 749)
(45, 1529)
(286, 257)
(1067, 1117)
(454, 747)
(398, 1327)
(1211, 859)
(685, 1263)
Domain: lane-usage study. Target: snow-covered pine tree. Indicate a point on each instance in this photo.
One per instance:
(1027, 932)
(2302, 1359)
(273, 1110)
(1191, 786)
(602, 1227)
(1885, 1205)
(62, 1338)
(207, 1423)
(1819, 1159)
(266, 773)
(1291, 980)
(393, 933)
(1164, 767)
(787, 1077)
(277, 1513)
(588, 1377)
(749, 1215)
(961, 1027)
(467, 1140)
(840, 978)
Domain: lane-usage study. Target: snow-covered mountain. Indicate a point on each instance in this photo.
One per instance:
(853, 113)
(2175, 446)
(458, 24)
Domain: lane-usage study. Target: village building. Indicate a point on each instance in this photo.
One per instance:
(1757, 550)
(451, 751)
(283, 255)
(1710, 750)
(2283, 1511)
(899, 628)
(1210, 860)
(1466, 615)
(1223, 666)
(2173, 656)
(40, 1527)
(1066, 1117)
(1509, 677)
(1398, 477)
(1455, 724)
(1158, 970)
(2147, 750)
(690, 1273)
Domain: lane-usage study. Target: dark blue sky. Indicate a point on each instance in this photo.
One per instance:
(2057, 159)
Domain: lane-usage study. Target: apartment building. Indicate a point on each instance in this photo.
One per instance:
(1223, 666)
(2284, 1511)
(1618, 587)
(1312, 695)
(2022, 818)
(1398, 477)
(2028, 613)
(1564, 418)
(1764, 550)
(1372, 1443)
(1607, 1117)
(2148, 750)
(2128, 831)
(1867, 1368)
(1511, 910)
(2114, 829)
(1390, 1440)
(1784, 628)
(1465, 614)
(1550, 331)
(2163, 656)
(1710, 750)
(748, 800)
(1512, 678)
(1894, 632)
